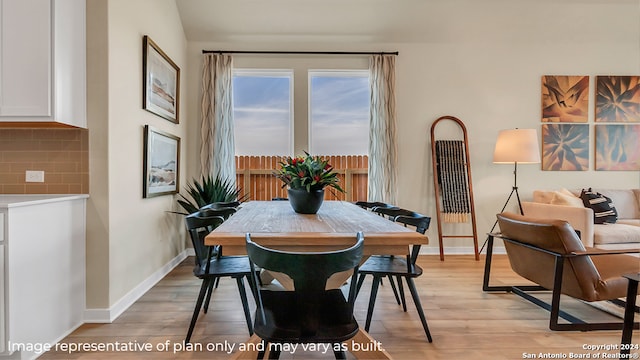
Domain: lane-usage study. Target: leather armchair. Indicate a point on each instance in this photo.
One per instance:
(549, 253)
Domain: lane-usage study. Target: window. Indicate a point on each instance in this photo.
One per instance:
(339, 112)
(262, 111)
(331, 112)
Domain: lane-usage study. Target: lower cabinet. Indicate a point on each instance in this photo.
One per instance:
(43, 262)
(2, 313)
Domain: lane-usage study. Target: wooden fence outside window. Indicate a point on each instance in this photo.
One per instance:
(254, 176)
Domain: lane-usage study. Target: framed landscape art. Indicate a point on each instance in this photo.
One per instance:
(565, 147)
(565, 98)
(617, 147)
(161, 82)
(161, 163)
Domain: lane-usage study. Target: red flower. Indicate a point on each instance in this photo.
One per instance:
(327, 167)
(301, 173)
(316, 178)
(294, 161)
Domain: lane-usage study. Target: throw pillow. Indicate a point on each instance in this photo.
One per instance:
(561, 198)
(568, 193)
(603, 209)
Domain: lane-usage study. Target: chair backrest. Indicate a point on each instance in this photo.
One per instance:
(308, 270)
(199, 224)
(580, 277)
(373, 204)
(222, 204)
(421, 223)
(216, 209)
(391, 212)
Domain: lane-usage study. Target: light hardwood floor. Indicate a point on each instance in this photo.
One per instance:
(466, 323)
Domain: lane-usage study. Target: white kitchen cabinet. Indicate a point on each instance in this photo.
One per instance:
(44, 269)
(2, 316)
(43, 61)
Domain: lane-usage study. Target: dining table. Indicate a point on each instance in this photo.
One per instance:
(275, 225)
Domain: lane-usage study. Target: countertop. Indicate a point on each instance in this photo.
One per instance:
(10, 201)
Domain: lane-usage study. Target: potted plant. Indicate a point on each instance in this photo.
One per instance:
(306, 178)
(208, 191)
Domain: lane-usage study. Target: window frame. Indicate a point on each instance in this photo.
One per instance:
(268, 72)
(353, 73)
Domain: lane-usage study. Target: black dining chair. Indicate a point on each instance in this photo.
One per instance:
(211, 265)
(370, 205)
(391, 212)
(224, 210)
(309, 313)
(223, 204)
(399, 267)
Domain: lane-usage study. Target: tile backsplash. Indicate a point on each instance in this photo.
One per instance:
(63, 155)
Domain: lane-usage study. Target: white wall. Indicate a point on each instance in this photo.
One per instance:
(490, 84)
(137, 236)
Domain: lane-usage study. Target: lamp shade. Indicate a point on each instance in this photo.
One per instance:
(517, 146)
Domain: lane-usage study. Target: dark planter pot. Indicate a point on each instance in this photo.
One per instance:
(304, 202)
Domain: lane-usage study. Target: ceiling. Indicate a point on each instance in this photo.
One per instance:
(392, 21)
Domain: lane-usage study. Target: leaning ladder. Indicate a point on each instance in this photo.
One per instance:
(452, 183)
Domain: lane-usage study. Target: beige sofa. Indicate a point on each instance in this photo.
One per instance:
(624, 234)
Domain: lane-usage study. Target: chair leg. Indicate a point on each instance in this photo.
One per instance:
(401, 289)
(360, 282)
(261, 353)
(274, 354)
(372, 301)
(339, 354)
(245, 303)
(393, 287)
(253, 285)
(209, 293)
(416, 300)
(196, 311)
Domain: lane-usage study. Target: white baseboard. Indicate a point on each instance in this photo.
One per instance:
(112, 313)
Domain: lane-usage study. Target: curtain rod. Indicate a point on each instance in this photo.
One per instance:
(300, 52)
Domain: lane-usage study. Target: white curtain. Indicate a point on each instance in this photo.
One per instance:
(217, 150)
(382, 130)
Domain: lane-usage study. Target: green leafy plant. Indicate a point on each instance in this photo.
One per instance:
(207, 191)
(308, 172)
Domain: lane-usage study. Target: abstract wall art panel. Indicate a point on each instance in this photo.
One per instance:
(565, 147)
(618, 147)
(565, 98)
(618, 99)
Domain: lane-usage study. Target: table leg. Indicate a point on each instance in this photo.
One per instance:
(629, 312)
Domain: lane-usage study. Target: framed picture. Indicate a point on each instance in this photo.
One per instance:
(565, 147)
(161, 163)
(161, 82)
(617, 147)
(618, 99)
(565, 98)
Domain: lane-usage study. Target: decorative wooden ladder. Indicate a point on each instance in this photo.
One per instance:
(452, 183)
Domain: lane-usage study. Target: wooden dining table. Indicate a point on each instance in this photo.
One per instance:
(274, 224)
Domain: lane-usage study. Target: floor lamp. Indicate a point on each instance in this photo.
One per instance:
(515, 146)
